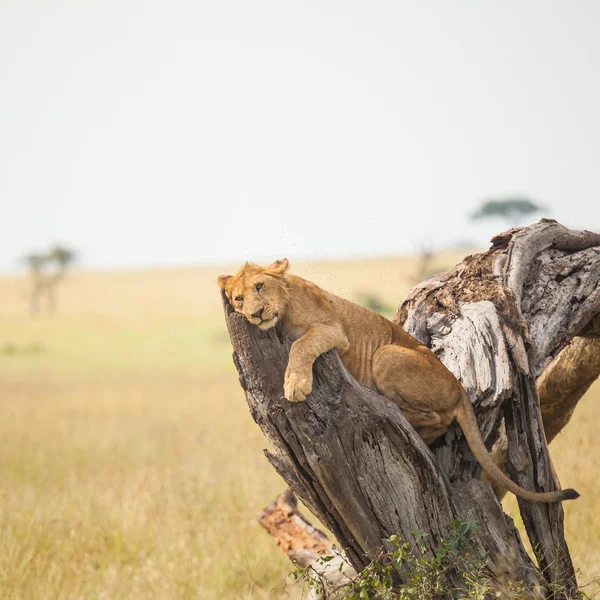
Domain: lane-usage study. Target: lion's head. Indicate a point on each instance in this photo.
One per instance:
(259, 293)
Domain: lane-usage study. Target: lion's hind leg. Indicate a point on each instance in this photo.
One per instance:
(406, 377)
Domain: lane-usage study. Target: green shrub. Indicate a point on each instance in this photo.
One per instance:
(456, 570)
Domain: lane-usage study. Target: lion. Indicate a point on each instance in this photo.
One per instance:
(379, 354)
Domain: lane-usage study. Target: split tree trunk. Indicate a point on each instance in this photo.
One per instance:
(497, 321)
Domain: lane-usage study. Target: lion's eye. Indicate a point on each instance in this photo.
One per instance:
(239, 298)
(258, 287)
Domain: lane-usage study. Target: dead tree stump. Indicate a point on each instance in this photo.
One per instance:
(497, 321)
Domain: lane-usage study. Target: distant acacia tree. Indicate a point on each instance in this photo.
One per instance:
(35, 262)
(512, 209)
(46, 271)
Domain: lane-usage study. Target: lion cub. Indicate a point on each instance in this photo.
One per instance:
(378, 353)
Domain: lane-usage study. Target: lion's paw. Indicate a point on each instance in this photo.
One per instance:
(297, 385)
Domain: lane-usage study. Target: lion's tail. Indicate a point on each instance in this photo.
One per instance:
(466, 419)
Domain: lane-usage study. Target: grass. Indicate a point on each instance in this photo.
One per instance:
(129, 464)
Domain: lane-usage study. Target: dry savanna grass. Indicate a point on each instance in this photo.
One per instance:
(129, 465)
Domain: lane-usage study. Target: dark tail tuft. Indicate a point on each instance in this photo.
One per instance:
(569, 494)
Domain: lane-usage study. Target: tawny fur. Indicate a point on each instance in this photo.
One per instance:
(379, 354)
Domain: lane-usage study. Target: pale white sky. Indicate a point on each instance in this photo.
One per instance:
(147, 133)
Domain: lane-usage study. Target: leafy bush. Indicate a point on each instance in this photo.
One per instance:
(427, 576)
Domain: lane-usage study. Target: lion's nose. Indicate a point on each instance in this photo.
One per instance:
(258, 314)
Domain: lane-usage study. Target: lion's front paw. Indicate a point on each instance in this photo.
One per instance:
(297, 385)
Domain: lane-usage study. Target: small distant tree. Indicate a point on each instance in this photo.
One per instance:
(36, 263)
(60, 258)
(512, 209)
(46, 271)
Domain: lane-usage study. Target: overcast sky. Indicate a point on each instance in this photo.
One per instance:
(162, 133)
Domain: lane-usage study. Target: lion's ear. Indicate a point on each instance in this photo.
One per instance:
(279, 267)
(223, 280)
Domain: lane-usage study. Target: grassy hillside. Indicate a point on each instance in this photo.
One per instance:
(129, 465)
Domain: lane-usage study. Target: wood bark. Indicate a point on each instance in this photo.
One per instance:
(565, 381)
(560, 387)
(305, 545)
(497, 320)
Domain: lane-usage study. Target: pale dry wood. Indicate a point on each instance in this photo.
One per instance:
(560, 387)
(306, 546)
(358, 465)
(541, 283)
(290, 530)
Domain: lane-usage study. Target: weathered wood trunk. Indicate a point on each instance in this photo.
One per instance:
(496, 321)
